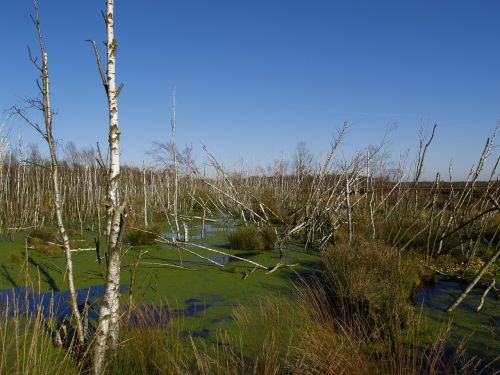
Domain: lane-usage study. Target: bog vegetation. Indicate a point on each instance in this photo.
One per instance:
(306, 267)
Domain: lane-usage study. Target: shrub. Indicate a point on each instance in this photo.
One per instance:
(373, 281)
(273, 209)
(253, 238)
(245, 238)
(14, 258)
(269, 237)
(52, 250)
(43, 233)
(203, 198)
(36, 243)
(138, 237)
(80, 244)
(44, 241)
(159, 216)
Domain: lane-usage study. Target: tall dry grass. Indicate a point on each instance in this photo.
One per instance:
(26, 343)
(354, 319)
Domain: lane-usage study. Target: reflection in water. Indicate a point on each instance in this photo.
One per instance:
(209, 228)
(22, 303)
(481, 330)
(54, 303)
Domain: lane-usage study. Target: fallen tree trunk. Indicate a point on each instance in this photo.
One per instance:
(474, 282)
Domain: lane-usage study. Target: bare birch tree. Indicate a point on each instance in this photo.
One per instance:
(108, 325)
(176, 173)
(44, 105)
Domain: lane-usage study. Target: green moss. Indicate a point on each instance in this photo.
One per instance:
(213, 292)
(219, 288)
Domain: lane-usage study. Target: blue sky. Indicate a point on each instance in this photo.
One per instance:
(253, 78)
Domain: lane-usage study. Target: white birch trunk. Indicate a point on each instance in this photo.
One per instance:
(145, 192)
(203, 225)
(176, 173)
(186, 232)
(348, 208)
(58, 201)
(47, 112)
(108, 326)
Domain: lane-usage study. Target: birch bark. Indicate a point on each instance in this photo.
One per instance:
(54, 169)
(108, 326)
(176, 173)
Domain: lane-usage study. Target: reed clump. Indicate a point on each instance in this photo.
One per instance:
(252, 238)
(348, 321)
(45, 248)
(143, 236)
(26, 342)
(372, 281)
(44, 234)
(152, 344)
(356, 318)
(14, 258)
(245, 238)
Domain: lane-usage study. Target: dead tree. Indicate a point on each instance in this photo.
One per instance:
(176, 172)
(45, 107)
(474, 282)
(108, 324)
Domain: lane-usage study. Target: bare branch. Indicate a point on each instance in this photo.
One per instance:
(33, 60)
(22, 113)
(119, 89)
(99, 64)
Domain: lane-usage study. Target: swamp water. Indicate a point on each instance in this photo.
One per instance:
(480, 330)
(21, 301)
(195, 232)
(205, 296)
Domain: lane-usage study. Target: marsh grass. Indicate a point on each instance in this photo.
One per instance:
(356, 318)
(252, 238)
(151, 344)
(26, 345)
(245, 238)
(313, 334)
(371, 281)
(14, 258)
(139, 237)
(44, 241)
(45, 234)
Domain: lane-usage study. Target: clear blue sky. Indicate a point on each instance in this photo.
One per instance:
(253, 78)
